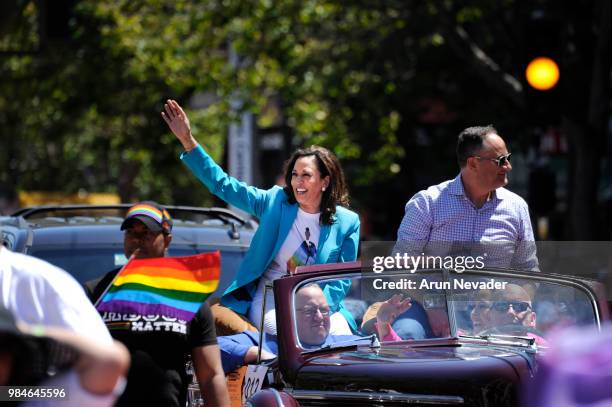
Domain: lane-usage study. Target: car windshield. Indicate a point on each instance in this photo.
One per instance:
(326, 310)
(529, 307)
(436, 305)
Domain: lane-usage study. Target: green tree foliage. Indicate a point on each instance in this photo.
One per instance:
(386, 84)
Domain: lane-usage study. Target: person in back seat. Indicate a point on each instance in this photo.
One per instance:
(313, 327)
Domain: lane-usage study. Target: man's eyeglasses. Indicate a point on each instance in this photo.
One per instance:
(310, 312)
(499, 161)
(517, 306)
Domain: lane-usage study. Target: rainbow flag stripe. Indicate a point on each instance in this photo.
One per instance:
(172, 287)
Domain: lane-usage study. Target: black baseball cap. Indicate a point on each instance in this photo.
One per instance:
(154, 216)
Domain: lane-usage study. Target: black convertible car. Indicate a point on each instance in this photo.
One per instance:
(469, 339)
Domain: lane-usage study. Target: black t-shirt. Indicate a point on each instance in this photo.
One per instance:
(159, 348)
(95, 288)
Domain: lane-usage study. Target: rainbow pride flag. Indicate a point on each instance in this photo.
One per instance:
(172, 287)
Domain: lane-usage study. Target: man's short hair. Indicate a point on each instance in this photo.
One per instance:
(470, 142)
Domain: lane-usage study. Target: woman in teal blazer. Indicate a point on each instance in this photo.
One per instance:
(315, 184)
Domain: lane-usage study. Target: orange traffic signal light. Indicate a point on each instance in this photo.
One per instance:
(542, 73)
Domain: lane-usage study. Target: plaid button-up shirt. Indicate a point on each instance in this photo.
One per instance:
(500, 230)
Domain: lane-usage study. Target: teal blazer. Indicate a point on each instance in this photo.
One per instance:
(338, 242)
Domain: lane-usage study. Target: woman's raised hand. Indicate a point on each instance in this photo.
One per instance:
(178, 122)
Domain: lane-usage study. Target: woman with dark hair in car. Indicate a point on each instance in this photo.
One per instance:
(306, 222)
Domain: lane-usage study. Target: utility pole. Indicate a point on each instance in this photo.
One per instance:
(240, 143)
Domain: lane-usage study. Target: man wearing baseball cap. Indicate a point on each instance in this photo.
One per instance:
(157, 375)
(148, 228)
(147, 234)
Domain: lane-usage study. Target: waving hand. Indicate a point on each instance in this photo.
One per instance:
(178, 122)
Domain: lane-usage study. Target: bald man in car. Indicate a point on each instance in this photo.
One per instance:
(312, 319)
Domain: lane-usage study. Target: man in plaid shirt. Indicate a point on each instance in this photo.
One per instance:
(472, 214)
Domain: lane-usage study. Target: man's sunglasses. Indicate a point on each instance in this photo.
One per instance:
(499, 161)
(517, 306)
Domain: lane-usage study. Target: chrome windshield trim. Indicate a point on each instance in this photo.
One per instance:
(408, 398)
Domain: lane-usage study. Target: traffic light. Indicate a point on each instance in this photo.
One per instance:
(542, 54)
(542, 73)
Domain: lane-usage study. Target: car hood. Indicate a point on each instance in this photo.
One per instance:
(469, 371)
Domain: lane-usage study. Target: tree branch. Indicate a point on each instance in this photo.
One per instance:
(468, 50)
